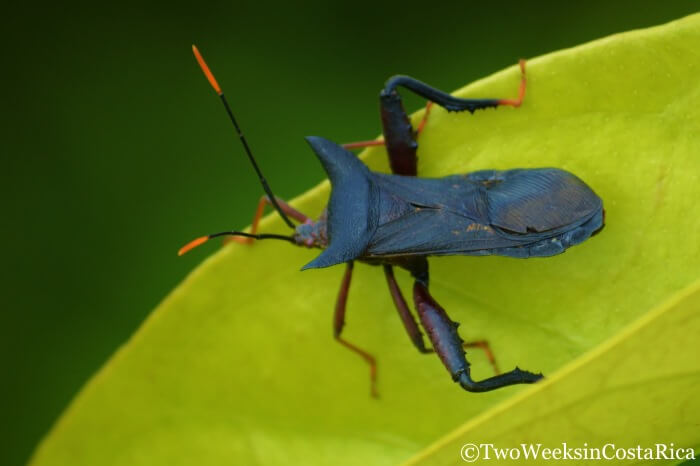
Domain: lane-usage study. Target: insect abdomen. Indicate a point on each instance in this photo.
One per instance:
(549, 246)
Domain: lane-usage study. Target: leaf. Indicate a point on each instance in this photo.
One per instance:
(646, 377)
(238, 365)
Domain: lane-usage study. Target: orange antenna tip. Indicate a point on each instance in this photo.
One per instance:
(192, 244)
(206, 70)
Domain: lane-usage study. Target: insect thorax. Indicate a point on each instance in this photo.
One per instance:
(312, 234)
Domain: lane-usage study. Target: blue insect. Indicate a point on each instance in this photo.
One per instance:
(399, 220)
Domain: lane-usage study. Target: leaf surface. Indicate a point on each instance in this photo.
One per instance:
(637, 389)
(238, 365)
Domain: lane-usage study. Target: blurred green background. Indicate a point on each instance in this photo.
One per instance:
(116, 151)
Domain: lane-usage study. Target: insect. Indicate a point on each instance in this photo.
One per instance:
(399, 220)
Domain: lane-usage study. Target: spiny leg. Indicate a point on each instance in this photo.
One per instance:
(448, 345)
(398, 134)
(412, 328)
(399, 139)
(339, 323)
(260, 210)
(380, 141)
(448, 101)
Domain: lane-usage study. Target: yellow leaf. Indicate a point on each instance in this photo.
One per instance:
(238, 365)
(637, 389)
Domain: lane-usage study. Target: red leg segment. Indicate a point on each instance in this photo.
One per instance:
(339, 323)
(484, 346)
(380, 141)
(413, 330)
(409, 322)
(363, 144)
(260, 210)
(521, 94)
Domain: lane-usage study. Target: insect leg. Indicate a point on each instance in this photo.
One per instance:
(442, 332)
(363, 144)
(339, 323)
(380, 141)
(260, 210)
(484, 346)
(399, 136)
(409, 322)
(450, 102)
(424, 120)
(399, 139)
(413, 330)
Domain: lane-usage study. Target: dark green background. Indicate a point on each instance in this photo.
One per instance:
(116, 151)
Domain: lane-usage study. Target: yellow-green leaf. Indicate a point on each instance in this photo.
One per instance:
(238, 365)
(637, 389)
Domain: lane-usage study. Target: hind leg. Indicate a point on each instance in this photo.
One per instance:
(413, 330)
(448, 345)
(380, 141)
(399, 136)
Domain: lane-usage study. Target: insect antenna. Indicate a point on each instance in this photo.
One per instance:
(215, 85)
(203, 239)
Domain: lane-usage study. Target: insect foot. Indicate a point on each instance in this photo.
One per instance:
(516, 376)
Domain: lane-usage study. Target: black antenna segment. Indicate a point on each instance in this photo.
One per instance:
(215, 85)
